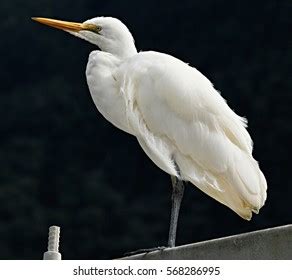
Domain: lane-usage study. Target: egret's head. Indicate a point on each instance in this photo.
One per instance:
(108, 33)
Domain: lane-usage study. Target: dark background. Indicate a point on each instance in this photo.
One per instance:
(62, 163)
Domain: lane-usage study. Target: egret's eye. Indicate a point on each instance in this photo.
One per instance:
(98, 28)
(92, 27)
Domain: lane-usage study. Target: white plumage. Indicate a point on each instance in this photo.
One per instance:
(178, 117)
(176, 114)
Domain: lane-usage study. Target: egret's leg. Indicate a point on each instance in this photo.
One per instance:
(177, 195)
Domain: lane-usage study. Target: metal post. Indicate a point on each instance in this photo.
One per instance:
(53, 244)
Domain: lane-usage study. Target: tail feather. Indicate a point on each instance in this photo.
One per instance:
(242, 187)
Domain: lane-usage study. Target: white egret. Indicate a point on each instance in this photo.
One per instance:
(181, 122)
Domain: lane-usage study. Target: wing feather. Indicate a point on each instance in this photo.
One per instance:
(176, 114)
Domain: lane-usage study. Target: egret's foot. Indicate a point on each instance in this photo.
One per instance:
(146, 251)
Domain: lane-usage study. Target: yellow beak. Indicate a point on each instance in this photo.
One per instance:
(65, 25)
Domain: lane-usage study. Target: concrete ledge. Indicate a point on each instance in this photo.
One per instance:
(267, 244)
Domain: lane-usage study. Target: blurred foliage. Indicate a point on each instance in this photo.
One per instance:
(62, 163)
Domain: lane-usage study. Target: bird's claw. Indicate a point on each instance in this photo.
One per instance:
(145, 251)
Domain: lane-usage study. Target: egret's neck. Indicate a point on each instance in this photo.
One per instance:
(122, 50)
